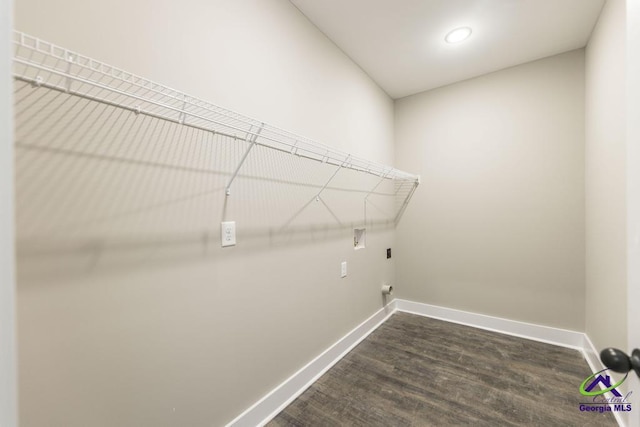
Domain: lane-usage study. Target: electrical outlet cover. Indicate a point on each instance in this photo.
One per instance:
(228, 233)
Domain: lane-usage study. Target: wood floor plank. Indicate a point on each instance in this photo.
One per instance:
(417, 371)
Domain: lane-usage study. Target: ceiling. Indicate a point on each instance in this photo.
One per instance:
(400, 43)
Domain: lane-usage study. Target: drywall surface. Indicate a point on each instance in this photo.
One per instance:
(8, 404)
(130, 312)
(633, 191)
(497, 224)
(605, 175)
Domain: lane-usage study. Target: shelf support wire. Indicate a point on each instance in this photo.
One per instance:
(383, 176)
(252, 142)
(182, 117)
(69, 59)
(405, 203)
(344, 162)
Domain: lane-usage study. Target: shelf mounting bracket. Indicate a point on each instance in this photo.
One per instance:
(252, 142)
(383, 176)
(69, 59)
(183, 112)
(344, 162)
(414, 186)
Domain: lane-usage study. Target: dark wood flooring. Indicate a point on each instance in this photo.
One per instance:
(417, 371)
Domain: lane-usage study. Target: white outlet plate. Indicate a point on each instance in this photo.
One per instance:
(343, 269)
(228, 233)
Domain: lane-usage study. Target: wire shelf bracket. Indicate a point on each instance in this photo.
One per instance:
(252, 142)
(326, 184)
(366, 197)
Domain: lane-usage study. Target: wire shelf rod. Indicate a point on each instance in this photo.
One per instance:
(132, 79)
(38, 82)
(124, 90)
(136, 110)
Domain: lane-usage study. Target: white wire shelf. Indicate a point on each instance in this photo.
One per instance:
(44, 64)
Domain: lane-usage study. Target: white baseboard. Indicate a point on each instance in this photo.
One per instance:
(275, 401)
(547, 334)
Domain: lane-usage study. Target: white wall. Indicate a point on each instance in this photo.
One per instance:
(129, 312)
(497, 225)
(606, 192)
(8, 406)
(633, 190)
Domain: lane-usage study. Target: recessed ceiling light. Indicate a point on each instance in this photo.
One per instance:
(458, 35)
